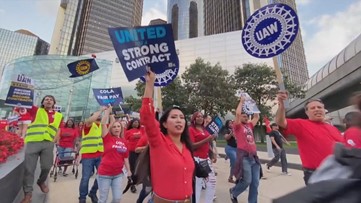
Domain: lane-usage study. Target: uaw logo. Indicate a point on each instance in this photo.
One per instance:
(83, 67)
(165, 78)
(270, 30)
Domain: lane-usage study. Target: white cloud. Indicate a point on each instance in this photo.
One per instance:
(47, 7)
(2, 11)
(302, 2)
(157, 10)
(333, 34)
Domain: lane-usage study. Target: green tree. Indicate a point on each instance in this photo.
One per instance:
(295, 90)
(260, 82)
(209, 87)
(134, 103)
(139, 87)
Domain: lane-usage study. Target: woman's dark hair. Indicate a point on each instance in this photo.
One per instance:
(66, 124)
(225, 128)
(185, 134)
(130, 125)
(51, 96)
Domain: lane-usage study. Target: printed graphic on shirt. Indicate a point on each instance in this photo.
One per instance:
(249, 135)
(120, 146)
(351, 142)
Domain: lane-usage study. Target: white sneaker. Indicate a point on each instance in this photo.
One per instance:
(267, 167)
(286, 174)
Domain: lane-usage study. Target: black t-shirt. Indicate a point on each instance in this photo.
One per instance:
(231, 141)
(277, 137)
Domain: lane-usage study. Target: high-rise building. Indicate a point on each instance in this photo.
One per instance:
(187, 18)
(15, 44)
(82, 25)
(293, 60)
(221, 16)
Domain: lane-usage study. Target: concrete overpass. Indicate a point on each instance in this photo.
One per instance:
(334, 83)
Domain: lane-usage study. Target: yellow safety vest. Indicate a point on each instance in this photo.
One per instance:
(40, 129)
(93, 141)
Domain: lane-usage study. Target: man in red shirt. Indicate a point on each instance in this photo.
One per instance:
(315, 137)
(247, 167)
(352, 135)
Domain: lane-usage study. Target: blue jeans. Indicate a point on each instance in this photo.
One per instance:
(87, 170)
(107, 182)
(64, 152)
(231, 153)
(144, 193)
(251, 172)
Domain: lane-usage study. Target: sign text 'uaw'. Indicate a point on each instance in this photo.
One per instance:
(270, 30)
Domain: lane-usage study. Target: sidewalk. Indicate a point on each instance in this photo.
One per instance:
(294, 161)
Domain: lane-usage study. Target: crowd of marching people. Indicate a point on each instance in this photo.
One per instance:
(145, 151)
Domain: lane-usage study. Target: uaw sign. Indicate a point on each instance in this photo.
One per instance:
(21, 92)
(270, 30)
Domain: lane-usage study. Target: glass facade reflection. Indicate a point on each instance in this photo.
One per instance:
(51, 76)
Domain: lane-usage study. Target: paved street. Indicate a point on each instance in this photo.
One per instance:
(275, 185)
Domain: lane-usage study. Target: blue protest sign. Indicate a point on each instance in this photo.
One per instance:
(144, 46)
(215, 125)
(112, 96)
(270, 30)
(21, 92)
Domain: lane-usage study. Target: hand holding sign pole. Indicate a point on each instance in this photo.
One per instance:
(269, 32)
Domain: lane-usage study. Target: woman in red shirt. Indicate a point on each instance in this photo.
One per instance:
(132, 136)
(24, 120)
(201, 138)
(114, 158)
(65, 140)
(171, 161)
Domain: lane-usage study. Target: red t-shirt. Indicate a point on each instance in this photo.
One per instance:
(90, 155)
(132, 136)
(3, 124)
(115, 151)
(352, 137)
(143, 141)
(24, 114)
(172, 170)
(315, 140)
(67, 137)
(34, 110)
(244, 137)
(197, 136)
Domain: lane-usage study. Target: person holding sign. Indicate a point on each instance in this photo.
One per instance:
(247, 167)
(201, 139)
(39, 143)
(171, 162)
(231, 147)
(90, 154)
(115, 157)
(315, 137)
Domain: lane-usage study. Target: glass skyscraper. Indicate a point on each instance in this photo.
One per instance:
(15, 44)
(82, 25)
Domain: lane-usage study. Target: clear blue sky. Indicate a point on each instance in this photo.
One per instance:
(327, 25)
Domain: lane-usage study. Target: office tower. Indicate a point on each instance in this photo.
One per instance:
(16, 44)
(186, 17)
(82, 25)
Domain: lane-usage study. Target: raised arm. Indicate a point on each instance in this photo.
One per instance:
(239, 111)
(147, 115)
(88, 122)
(281, 111)
(104, 121)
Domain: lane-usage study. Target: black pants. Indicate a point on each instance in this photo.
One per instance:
(307, 174)
(133, 160)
